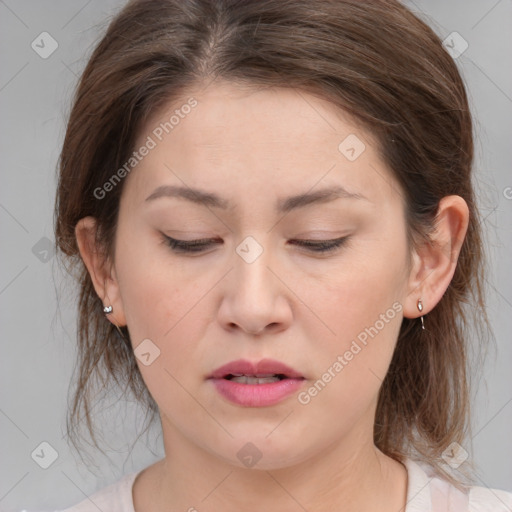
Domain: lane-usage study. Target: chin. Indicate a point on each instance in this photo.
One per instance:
(258, 452)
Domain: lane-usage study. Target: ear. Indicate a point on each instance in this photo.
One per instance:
(101, 269)
(434, 263)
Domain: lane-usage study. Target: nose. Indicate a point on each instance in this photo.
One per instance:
(255, 297)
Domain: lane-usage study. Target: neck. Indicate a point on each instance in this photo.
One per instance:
(351, 476)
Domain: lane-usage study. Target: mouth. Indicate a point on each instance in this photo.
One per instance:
(255, 379)
(247, 372)
(260, 384)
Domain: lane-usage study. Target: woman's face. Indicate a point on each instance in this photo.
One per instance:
(254, 292)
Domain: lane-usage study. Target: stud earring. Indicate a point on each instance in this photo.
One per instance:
(107, 310)
(420, 309)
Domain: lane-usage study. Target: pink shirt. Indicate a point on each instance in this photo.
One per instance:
(425, 493)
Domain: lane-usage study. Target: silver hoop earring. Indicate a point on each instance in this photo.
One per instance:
(420, 309)
(107, 310)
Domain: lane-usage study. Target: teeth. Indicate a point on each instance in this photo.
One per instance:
(244, 379)
(259, 375)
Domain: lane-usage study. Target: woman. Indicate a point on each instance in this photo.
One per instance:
(271, 209)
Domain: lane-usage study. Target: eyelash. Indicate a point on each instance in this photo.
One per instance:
(196, 246)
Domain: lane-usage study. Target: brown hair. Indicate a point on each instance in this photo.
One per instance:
(373, 59)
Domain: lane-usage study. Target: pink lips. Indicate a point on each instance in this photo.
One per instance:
(256, 395)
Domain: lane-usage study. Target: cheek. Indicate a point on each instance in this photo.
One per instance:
(158, 307)
(361, 314)
(167, 309)
(352, 364)
(353, 298)
(156, 291)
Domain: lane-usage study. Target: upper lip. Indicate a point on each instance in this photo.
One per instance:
(263, 367)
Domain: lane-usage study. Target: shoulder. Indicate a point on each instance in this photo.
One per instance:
(427, 491)
(482, 499)
(116, 497)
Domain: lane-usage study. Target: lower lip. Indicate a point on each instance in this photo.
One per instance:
(257, 395)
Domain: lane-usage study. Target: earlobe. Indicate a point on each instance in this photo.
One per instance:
(434, 262)
(100, 268)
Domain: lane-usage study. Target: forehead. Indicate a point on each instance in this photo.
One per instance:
(255, 140)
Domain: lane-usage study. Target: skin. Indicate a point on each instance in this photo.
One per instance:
(253, 147)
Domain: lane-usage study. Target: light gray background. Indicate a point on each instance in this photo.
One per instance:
(38, 311)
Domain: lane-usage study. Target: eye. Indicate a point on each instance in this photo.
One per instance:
(322, 246)
(189, 245)
(195, 246)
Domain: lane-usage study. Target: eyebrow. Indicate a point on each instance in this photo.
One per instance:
(284, 205)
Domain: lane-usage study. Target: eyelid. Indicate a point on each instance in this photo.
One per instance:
(323, 246)
(181, 245)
